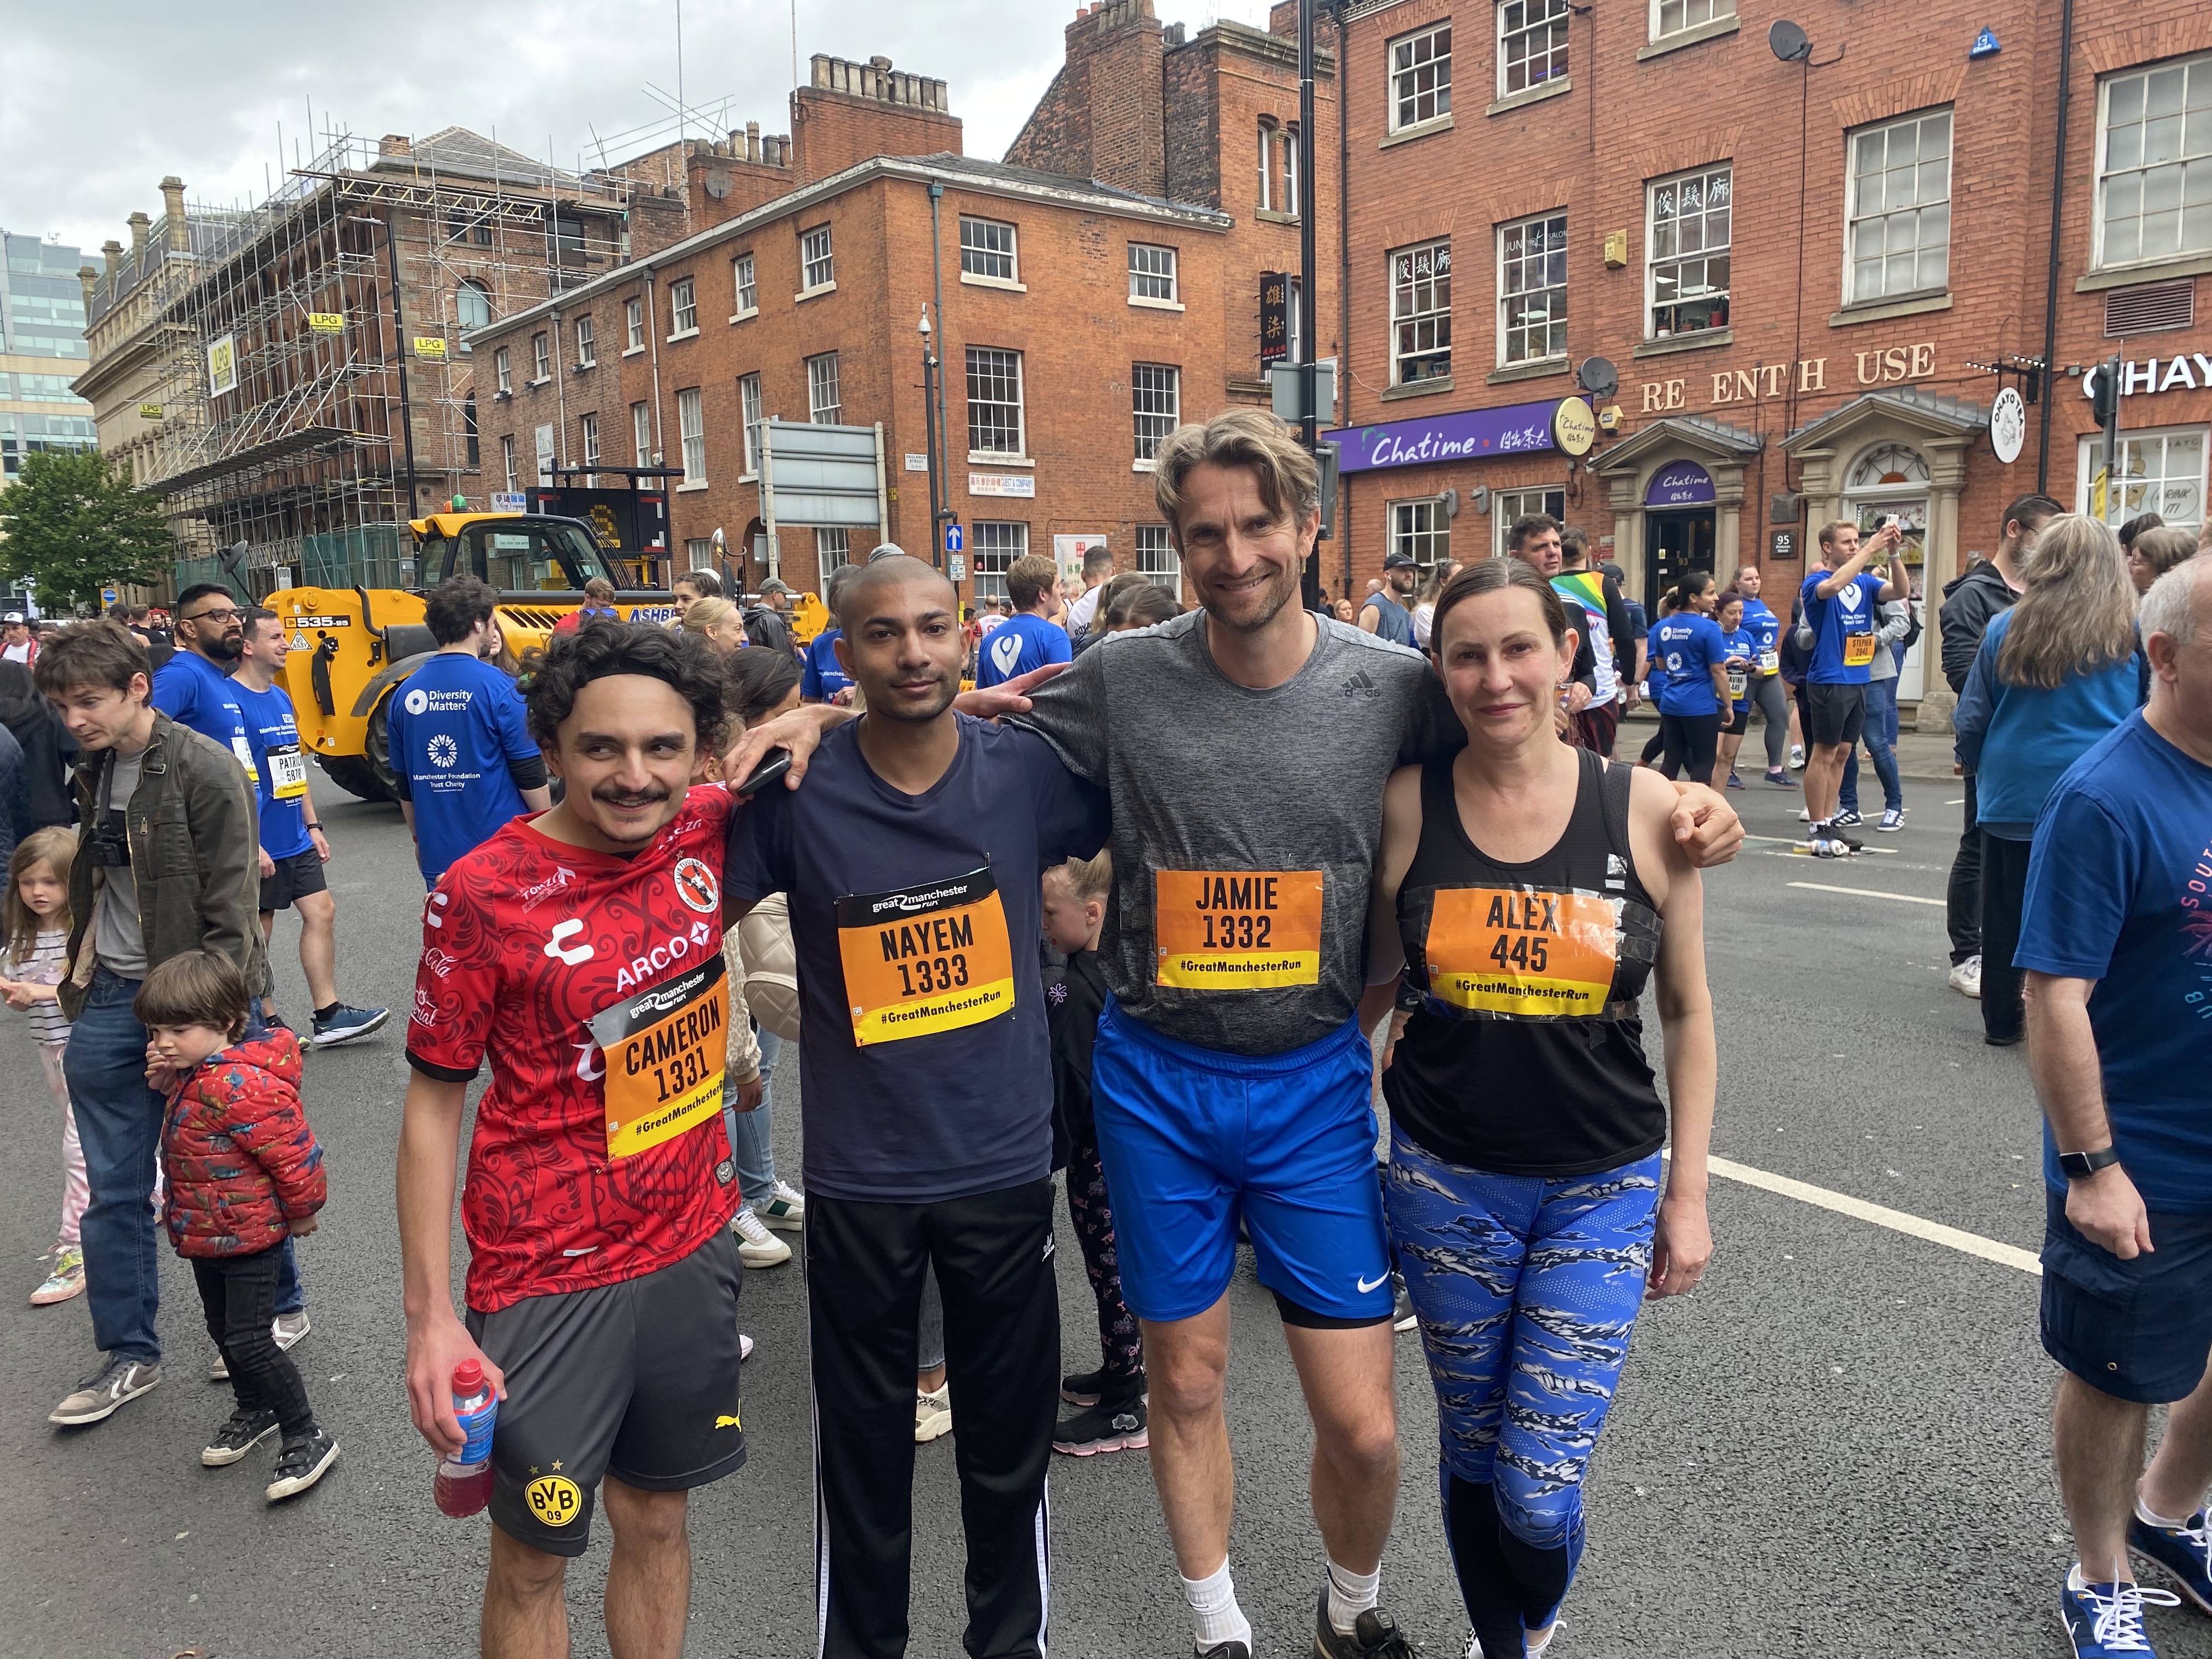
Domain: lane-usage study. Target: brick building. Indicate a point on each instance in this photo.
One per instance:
(1797, 271)
(1100, 285)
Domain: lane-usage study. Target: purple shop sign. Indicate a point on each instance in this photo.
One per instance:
(1680, 483)
(1516, 430)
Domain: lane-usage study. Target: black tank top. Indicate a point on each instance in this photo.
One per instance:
(1525, 1055)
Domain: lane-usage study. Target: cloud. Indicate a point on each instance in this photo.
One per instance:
(104, 101)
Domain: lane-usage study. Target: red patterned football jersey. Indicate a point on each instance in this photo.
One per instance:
(594, 984)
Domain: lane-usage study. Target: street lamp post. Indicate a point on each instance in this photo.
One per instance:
(929, 369)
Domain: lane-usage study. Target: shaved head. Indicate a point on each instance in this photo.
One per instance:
(868, 581)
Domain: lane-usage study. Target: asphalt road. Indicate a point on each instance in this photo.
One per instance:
(1837, 1445)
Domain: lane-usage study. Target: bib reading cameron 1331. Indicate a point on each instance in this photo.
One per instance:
(1237, 929)
(665, 1049)
(931, 958)
(1526, 950)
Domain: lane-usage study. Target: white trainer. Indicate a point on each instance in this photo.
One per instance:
(933, 1413)
(1966, 977)
(756, 1246)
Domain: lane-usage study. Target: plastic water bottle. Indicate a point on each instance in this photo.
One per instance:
(464, 1483)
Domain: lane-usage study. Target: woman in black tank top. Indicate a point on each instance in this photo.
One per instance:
(1528, 892)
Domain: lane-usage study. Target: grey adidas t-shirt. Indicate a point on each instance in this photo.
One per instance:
(1246, 823)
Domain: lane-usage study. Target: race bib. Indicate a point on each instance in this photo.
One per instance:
(1220, 930)
(287, 774)
(1738, 680)
(665, 1049)
(1858, 650)
(1522, 950)
(932, 957)
(244, 751)
(1770, 662)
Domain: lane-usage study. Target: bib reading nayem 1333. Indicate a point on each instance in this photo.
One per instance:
(930, 957)
(1530, 950)
(1237, 929)
(665, 1049)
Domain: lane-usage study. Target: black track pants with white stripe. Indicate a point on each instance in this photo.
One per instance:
(992, 1253)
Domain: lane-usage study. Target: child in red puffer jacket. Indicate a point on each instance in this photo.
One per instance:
(245, 1173)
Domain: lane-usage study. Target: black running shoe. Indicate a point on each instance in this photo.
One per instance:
(305, 1461)
(245, 1431)
(1374, 1635)
(1085, 1388)
(1227, 1651)
(1109, 1426)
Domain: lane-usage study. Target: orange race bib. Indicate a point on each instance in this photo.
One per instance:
(665, 1051)
(932, 957)
(1522, 950)
(1858, 650)
(1237, 929)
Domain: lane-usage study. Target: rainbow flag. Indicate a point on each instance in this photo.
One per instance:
(1585, 587)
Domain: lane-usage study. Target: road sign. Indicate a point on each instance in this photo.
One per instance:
(954, 541)
(826, 476)
(107, 596)
(957, 568)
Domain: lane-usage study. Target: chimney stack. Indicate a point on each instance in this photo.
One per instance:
(88, 279)
(112, 250)
(752, 141)
(172, 209)
(140, 225)
(395, 143)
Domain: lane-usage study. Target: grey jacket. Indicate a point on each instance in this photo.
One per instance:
(195, 849)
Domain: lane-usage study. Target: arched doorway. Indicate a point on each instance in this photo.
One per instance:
(1891, 480)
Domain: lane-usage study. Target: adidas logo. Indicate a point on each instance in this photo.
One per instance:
(1360, 686)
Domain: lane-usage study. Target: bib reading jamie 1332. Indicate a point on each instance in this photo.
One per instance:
(930, 957)
(1529, 950)
(1237, 930)
(664, 1049)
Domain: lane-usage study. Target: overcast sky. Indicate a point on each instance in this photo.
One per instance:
(98, 101)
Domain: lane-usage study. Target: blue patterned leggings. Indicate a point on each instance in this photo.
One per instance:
(1526, 1291)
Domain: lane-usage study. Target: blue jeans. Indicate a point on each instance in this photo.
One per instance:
(119, 1121)
(751, 1140)
(1881, 734)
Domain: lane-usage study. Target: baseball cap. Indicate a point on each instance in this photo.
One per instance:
(1397, 561)
(886, 550)
(775, 585)
(12, 618)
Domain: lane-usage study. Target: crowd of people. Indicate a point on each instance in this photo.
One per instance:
(978, 868)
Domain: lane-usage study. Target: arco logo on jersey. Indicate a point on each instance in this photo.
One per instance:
(672, 952)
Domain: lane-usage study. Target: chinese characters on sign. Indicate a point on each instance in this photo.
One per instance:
(1274, 317)
(1680, 483)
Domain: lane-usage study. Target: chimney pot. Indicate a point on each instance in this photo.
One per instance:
(752, 141)
(879, 63)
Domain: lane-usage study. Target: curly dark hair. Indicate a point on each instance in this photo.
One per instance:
(573, 662)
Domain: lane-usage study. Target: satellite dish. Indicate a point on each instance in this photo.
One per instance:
(718, 184)
(1598, 377)
(1789, 42)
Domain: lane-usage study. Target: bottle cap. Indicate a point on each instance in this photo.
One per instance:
(468, 1377)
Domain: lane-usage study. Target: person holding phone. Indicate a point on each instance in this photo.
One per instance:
(1839, 611)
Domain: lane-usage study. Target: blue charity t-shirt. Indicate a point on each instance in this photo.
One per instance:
(2119, 891)
(1687, 646)
(1762, 625)
(820, 679)
(1745, 644)
(455, 724)
(275, 736)
(1017, 645)
(1843, 629)
(193, 691)
(921, 913)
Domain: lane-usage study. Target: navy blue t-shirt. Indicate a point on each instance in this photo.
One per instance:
(2117, 893)
(820, 679)
(1686, 648)
(455, 724)
(1017, 645)
(193, 691)
(275, 736)
(926, 1070)
(1843, 629)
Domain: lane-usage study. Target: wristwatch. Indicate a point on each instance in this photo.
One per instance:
(2079, 1166)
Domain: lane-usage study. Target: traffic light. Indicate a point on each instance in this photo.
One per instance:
(2105, 391)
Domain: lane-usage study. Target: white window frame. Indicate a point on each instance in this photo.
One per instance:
(691, 434)
(1421, 527)
(1508, 505)
(1712, 10)
(1412, 77)
(832, 548)
(461, 324)
(749, 412)
(541, 358)
(992, 548)
(1416, 317)
(2196, 72)
(634, 318)
(1157, 557)
(826, 399)
(502, 365)
(507, 455)
(699, 553)
(640, 432)
(2124, 504)
(984, 250)
(1267, 202)
(1293, 195)
(1855, 220)
(1551, 259)
(587, 354)
(817, 260)
(1144, 271)
(1518, 24)
(999, 356)
(590, 425)
(1652, 261)
(743, 288)
(1155, 396)
(682, 309)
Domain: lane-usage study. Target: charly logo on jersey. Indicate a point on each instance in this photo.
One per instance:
(443, 751)
(696, 886)
(1006, 650)
(432, 906)
(557, 943)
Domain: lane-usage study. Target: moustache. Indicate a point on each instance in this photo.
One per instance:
(624, 798)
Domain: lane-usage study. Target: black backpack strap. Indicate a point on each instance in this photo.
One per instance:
(1614, 791)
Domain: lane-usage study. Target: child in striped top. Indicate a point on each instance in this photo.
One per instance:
(35, 915)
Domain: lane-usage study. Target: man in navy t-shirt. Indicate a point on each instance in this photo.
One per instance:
(1839, 606)
(193, 686)
(1025, 639)
(913, 861)
(463, 760)
(2116, 938)
(821, 677)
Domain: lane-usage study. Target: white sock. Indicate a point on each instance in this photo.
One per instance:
(1349, 1595)
(2144, 1514)
(1215, 1616)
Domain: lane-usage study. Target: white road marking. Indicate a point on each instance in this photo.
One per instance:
(2005, 1255)
(1862, 892)
(1961, 801)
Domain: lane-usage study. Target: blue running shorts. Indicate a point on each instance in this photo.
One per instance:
(1191, 1139)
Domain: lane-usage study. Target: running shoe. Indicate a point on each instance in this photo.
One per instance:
(65, 1281)
(1780, 780)
(2105, 1620)
(1804, 815)
(1820, 848)
(1402, 1316)
(289, 1328)
(745, 1347)
(1532, 1649)
(785, 1209)
(1847, 816)
(1086, 1387)
(1832, 832)
(1374, 1635)
(1891, 821)
(1796, 756)
(303, 1461)
(346, 1025)
(933, 1413)
(1966, 976)
(756, 1246)
(220, 1370)
(1104, 1428)
(105, 1392)
(1734, 781)
(245, 1431)
(1226, 1650)
(2185, 1552)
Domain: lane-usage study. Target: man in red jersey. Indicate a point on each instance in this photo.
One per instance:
(580, 950)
